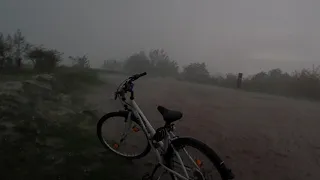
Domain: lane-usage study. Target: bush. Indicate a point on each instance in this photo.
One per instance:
(44, 60)
(157, 63)
(162, 65)
(80, 62)
(137, 63)
(196, 72)
(305, 83)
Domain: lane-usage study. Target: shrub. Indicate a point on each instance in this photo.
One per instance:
(81, 62)
(196, 72)
(157, 63)
(137, 63)
(44, 60)
(305, 83)
(162, 65)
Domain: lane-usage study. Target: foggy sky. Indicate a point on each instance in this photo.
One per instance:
(229, 35)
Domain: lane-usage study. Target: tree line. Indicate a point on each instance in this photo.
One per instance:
(157, 63)
(304, 83)
(16, 53)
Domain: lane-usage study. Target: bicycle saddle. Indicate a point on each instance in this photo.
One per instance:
(169, 116)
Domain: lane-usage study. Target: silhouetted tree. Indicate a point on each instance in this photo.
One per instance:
(3, 49)
(156, 63)
(44, 60)
(161, 63)
(80, 61)
(137, 63)
(196, 72)
(13, 49)
(275, 73)
(20, 47)
(6, 46)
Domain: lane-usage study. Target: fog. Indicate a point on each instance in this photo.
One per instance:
(229, 35)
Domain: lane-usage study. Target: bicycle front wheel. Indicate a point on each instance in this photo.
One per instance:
(198, 159)
(122, 135)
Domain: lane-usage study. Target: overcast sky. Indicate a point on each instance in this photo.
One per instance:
(229, 35)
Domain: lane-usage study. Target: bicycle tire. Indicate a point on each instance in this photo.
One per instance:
(179, 143)
(123, 114)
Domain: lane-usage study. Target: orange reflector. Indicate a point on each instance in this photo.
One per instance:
(116, 146)
(198, 162)
(135, 129)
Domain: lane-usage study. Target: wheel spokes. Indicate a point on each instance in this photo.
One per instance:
(195, 166)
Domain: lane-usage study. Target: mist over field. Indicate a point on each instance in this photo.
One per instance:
(229, 36)
(244, 76)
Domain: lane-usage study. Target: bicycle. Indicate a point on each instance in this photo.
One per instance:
(162, 141)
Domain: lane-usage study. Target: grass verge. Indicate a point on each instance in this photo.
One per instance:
(52, 139)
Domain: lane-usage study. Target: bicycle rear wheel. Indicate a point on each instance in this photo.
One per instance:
(196, 166)
(123, 136)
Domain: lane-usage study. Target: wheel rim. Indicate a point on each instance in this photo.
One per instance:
(118, 135)
(199, 168)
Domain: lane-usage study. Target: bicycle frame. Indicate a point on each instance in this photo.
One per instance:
(150, 132)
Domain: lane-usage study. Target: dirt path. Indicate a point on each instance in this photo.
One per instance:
(259, 136)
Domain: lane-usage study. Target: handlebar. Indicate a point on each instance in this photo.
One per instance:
(137, 76)
(127, 86)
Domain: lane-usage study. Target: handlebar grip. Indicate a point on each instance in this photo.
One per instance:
(137, 76)
(143, 74)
